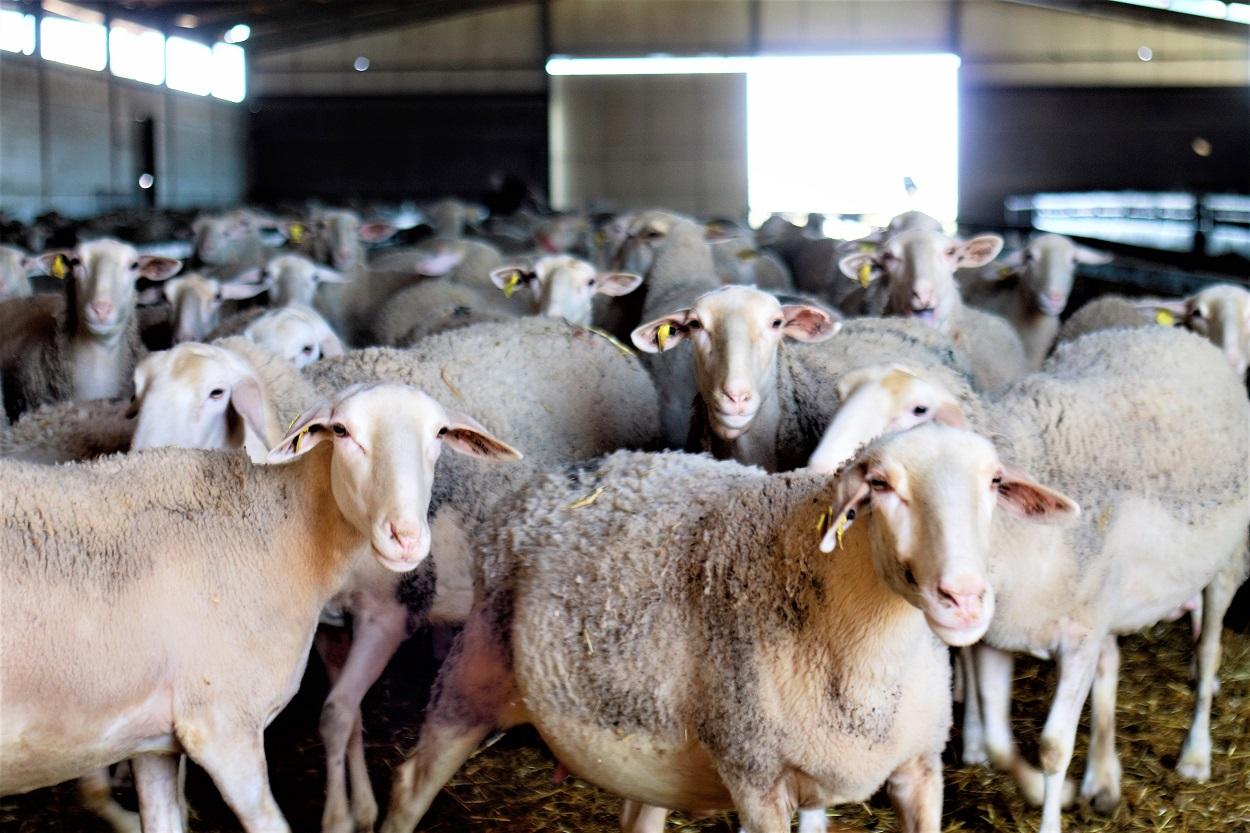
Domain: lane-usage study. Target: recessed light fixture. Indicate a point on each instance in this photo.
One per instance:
(146, 181)
(1145, 53)
(360, 64)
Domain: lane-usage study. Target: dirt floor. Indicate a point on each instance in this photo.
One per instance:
(508, 787)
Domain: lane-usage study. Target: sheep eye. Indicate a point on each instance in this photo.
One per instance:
(338, 429)
(591, 282)
(442, 432)
(878, 485)
(1196, 313)
(694, 324)
(997, 481)
(920, 410)
(307, 349)
(217, 297)
(216, 393)
(777, 322)
(950, 252)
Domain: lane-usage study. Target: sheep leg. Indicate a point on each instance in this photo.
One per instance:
(473, 695)
(377, 632)
(992, 680)
(160, 805)
(813, 820)
(759, 811)
(233, 755)
(1195, 760)
(97, 796)
(916, 791)
(1101, 786)
(974, 727)
(637, 817)
(1077, 663)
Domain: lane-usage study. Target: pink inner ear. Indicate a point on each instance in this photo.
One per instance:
(1029, 500)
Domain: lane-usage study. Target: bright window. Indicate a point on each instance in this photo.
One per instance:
(229, 72)
(873, 135)
(17, 32)
(137, 52)
(188, 66)
(73, 42)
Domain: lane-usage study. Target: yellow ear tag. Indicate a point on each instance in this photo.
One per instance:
(662, 334)
(297, 233)
(1004, 272)
(867, 247)
(300, 436)
(865, 274)
(748, 254)
(600, 238)
(511, 285)
(59, 267)
(291, 424)
(1165, 318)
(840, 529)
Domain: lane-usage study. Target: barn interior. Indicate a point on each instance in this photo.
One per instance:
(1121, 125)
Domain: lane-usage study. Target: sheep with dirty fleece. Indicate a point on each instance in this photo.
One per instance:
(808, 679)
(563, 286)
(763, 402)
(568, 391)
(282, 540)
(1114, 420)
(1030, 288)
(681, 271)
(82, 345)
(436, 305)
(912, 274)
(296, 333)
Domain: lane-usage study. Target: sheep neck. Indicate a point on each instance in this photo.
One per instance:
(99, 363)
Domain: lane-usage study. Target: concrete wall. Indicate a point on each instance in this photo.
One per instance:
(59, 151)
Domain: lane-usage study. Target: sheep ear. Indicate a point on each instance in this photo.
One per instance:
(617, 283)
(248, 401)
(978, 251)
(1093, 257)
(861, 267)
(376, 232)
(236, 291)
(851, 500)
(329, 343)
(804, 322)
(466, 435)
(1168, 313)
(663, 333)
(1024, 498)
(508, 278)
(58, 263)
(327, 275)
(170, 289)
(156, 268)
(438, 263)
(309, 429)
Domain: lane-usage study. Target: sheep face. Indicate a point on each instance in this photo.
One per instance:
(104, 274)
(1047, 269)
(297, 334)
(16, 267)
(386, 440)
(647, 232)
(198, 396)
(928, 497)
(1222, 314)
(218, 237)
(196, 303)
(919, 269)
(878, 400)
(735, 332)
(337, 236)
(564, 286)
(293, 279)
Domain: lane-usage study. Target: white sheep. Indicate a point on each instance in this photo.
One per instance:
(227, 245)
(196, 303)
(762, 402)
(296, 333)
(63, 432)
(1221, 313)
(563, 286)
(83, 345)
(1102, 313)
(916, 274)
(805, 680)
(1113, 420)
(16, 270)
(209, 686)
(1030, 288)
(435, 305)
(738, 261)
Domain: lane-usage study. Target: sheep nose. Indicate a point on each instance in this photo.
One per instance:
(1057, 297)
(737, 393)
(965, 598)
(406, 536)
(101, 309)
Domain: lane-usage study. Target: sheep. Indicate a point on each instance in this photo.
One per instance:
(62, 432)
(764, 404)
(643, 235)
(296, 333)
(805, 680)
(450, 217)
(84, 345)
(468, 262)
(738, 261)
(1221, 313)
(16, 269)
(680, 272)
(812, 261)
(916, 269)
(208, 687)
(227, 245)
(568, 391)
(431, 306)
(196, 303)
(292, 279)
(1041, 276)
(1111, 420)
(1102, 313)
(563, 286)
